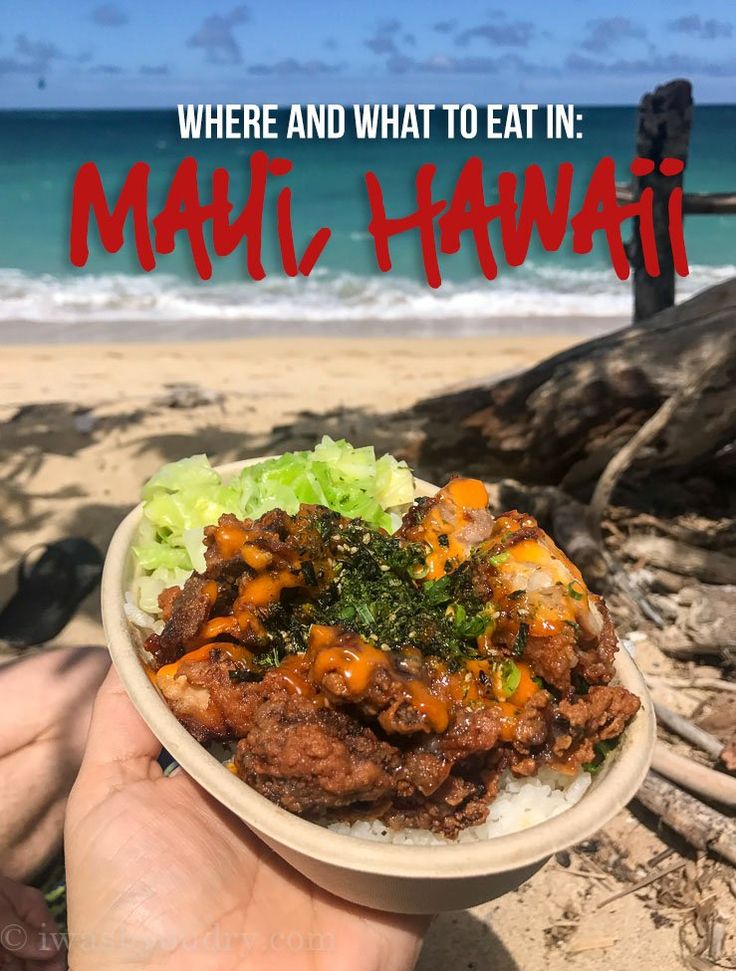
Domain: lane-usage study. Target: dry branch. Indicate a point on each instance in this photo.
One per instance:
(689, 730)
(702, 827)
(716, 786)
(640, 884)
(680, 558)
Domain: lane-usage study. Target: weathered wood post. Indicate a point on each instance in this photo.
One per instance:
(663, 131)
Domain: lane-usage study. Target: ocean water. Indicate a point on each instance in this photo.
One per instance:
(40, 153)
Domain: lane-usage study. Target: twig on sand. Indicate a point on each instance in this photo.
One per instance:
(661, 856)
(716, 786)
(640, 884)
(689, 730)
(703, 827)
(602, 944)
(587, 873)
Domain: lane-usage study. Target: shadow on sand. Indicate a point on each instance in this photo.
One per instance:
(460, 941)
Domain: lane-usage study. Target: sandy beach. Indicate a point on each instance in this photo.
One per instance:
(277, 376)
(85, 425)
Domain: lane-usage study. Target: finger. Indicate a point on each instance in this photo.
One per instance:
(27, 927)
(119, 741)
(30, 905)
(26, 943)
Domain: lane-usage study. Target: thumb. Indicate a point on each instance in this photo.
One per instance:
(120, 746)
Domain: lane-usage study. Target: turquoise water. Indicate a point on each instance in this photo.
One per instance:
(41, 151)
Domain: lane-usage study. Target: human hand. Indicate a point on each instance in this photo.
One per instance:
(28, 932)
(160, 875)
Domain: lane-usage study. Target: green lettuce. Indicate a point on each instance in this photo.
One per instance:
(185, 496)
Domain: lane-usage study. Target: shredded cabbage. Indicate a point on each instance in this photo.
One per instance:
(185, 496)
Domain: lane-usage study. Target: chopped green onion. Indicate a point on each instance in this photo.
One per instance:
(573, 591)
(498, 558)
(510, 677)
(365, 613)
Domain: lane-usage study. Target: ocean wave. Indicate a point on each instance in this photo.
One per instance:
(326, 298)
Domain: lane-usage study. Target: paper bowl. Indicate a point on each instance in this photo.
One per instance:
(398, 878)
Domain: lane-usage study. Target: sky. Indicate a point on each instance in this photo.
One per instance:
(157, 53)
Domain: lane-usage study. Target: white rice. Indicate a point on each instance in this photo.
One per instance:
(520, 804)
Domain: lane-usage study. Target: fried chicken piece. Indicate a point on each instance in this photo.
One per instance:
(596, 654)
(546, 614)
(350, 670)
(309, 759)
(533, 723)
(450, 524)
(277, 544)
(249, 566)
(472, 733)
(211, 692)
(602, 714)
(457, 804)
(187, 611)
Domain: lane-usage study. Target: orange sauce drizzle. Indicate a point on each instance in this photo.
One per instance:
(527, 686)
(266, 588)
(510, 714)
(466, 494)
(291, 672)
(216, 627)
(355, 663)
(255, 557)
(233, 651)
(432, 709)
(356, 660)
(229, 540)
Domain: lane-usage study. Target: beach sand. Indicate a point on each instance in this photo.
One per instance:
(277, 376)
(83, 426)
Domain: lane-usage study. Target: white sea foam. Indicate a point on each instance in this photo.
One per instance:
(324, 301)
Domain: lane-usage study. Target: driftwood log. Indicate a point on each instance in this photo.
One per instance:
(713, 785)
(704, 828)
(561, 422)
(707, 565)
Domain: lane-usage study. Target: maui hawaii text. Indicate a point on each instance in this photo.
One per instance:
(439, 223)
